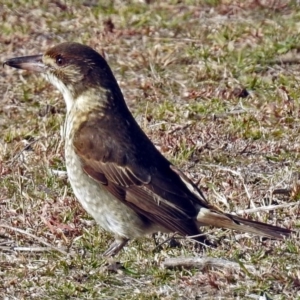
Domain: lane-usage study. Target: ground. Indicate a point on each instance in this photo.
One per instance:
(215, 85)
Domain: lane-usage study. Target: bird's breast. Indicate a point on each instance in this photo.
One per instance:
(110, 213)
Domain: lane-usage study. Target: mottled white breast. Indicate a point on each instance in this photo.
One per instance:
(111, 214)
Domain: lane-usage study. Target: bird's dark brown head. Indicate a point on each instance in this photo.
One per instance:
(78, 65)
(74, 69)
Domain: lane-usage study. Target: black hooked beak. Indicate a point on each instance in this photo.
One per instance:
(31, 63)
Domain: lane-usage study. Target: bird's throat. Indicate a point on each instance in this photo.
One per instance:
(67, 92)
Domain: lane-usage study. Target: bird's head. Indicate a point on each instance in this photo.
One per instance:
(74, 69)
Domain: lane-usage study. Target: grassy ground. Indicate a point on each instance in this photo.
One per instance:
(215, 84)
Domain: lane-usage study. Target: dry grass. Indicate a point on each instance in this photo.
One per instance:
(210, 84)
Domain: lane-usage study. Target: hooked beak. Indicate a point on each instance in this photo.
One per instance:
(31, 63)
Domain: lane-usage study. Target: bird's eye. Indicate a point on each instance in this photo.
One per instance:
(59, 60)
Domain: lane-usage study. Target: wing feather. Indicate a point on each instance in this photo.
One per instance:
(137, 174)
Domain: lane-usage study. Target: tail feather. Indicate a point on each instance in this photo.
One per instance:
(208, 217)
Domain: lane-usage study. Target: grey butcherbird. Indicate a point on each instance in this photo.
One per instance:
(116, 173)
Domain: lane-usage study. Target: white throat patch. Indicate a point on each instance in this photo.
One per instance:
(67, 94)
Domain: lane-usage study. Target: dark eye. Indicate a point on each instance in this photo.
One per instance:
(59, 60)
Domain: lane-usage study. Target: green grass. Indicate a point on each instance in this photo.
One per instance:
(181, 66)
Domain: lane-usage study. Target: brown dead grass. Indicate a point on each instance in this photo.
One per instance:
(207, 82)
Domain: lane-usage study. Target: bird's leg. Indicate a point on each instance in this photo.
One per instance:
(171, 239)
(155, 240)
(116, 246)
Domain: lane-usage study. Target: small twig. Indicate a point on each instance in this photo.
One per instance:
(26, 249)
(203, 262)
(241, 178)
(245, 148)
(158, 124)
(232, 112)
(178, 237)
(262, 296)
(174, 39)
(59, 173)
(286, 192)
(264, 208)
(180, 128)
(34, 237)
(157, 246)
(24, 149)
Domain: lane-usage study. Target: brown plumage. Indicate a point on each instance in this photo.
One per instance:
(116, 172)
(148, 183)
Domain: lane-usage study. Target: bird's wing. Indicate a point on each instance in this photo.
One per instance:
(128, 165)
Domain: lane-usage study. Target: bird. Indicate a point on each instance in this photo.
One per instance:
(118, 175)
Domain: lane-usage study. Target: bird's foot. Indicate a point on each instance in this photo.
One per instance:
(115, 247)
(113, 266)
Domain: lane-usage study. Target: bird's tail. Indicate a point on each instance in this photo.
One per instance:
(209, 217)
